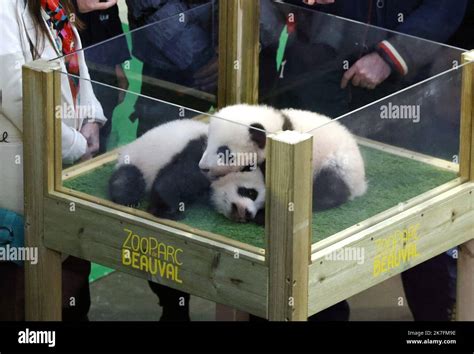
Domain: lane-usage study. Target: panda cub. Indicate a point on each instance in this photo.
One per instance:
(338, 167)
(164, 164)
(240, 196)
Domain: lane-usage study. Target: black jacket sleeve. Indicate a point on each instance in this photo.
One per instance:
(435, 20)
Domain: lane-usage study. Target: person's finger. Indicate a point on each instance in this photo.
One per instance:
(203, 73)
(206, 80)
(94, 148)
(211, 75)
(209, 87)
(348, 76)
(371, 81)
(124, 84)
(206, 87)
(85, 134)
(356, 80)
(206, 70)
(121, 97)
(99, 6)
(364, 83)
(320, 2)
(85, 157)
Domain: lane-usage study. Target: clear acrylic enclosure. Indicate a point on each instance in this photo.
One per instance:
(409, 142)
(407, 128)
(163, 64)
(305, 54)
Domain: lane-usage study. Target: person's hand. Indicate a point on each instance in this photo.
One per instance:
(367, 72)
(205, 78)
(85, 6)
(90, 131)
(318, 2)
(122, 82)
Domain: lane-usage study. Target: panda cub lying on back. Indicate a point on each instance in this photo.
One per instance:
(338, 167)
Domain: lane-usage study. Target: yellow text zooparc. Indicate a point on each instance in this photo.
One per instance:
(150, 255)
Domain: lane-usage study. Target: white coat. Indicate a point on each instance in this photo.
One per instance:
(16, 32)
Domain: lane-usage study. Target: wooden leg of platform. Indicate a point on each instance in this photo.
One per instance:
(465, 283)
(289, 184)
(465, 279)
(43, 279)
(226, 313)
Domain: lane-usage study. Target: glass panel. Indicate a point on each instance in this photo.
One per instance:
(173, 58)
(409, 144)
(167, 171)
(306, 53)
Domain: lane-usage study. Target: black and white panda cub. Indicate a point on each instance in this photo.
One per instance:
(240, 196)
(164, 164)
(338, 167)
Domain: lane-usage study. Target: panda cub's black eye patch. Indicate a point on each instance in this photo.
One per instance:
(247, 193)
(224, 150)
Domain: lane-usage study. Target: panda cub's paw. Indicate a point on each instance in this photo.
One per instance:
(260, 218)
(166, 214)
(127, 186)
(164, 210)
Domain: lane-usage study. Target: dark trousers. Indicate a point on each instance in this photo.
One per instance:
(175, 303)
(430, 288)
(151, 113)
(75, 290)
(107, 97)
(337, 312)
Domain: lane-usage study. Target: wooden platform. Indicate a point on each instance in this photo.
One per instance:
(392, 180)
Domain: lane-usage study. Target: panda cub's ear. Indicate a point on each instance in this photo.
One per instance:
(258, 135)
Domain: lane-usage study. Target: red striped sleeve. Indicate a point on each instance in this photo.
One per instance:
(395, 57)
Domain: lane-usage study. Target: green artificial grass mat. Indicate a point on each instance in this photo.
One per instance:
(391, 179)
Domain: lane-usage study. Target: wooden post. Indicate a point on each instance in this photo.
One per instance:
(40, 97)
(288, 216)
(239, 34)
(227, 313)
(465, 280)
